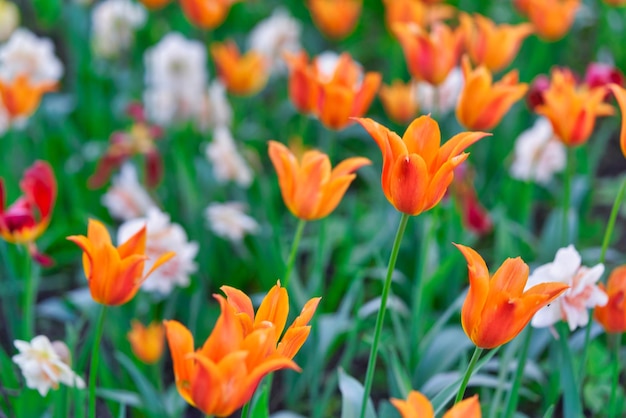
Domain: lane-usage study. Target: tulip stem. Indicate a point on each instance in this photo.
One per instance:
(30, 294)
(245, 411)
(468, 373)
(371, 364)
(610, 226)
(95, 357)
(513, 396)
(613, 408)
(294, 251)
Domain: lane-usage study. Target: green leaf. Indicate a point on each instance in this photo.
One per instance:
(352, 397)
(151, 399)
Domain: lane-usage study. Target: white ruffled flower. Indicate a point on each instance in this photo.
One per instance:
(275, 35)
(45, 364)
(9, 19)
(176, 79)
(215, 110)
(163, 236)
(114, 23)
(583, 293)
(227, 163)
(446, 95)
(126, 198)
(24, 53)
(228, 220)
(538, 153)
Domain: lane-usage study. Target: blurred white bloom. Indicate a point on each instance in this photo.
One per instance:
(45, 364)
(163, 236)
(228, 164)
(26, 54)
(583, 293)
(176, 79)
(126, 198)
(5, 122)
(228, 220)
(446, 95)
(538, 153)
(114, 23)
(9, 19)
(277, 34)
(216, 110)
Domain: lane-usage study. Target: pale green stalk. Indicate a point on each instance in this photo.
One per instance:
(468, 373)
(95, 358)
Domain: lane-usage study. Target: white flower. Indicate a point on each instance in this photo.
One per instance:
(228, 220)
(215, 110)
(275, 35)
(9, 19)
(113, 25)
(26, 54)
(445, 96)
(538, 153)
(163, 236)
(228, 164)
(176, 79)
(43, 365)
(583, 293)
(126, 198)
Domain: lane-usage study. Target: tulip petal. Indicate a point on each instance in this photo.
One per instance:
(136, 244)
(620, 95)
(510, 278)
(423, 137)
(159, 262)
(365, 95)
(239, 300)
(335, 105)
(471, 313)
(409, 183)
(332, 193)
(274, 308)
(467, 408)
(459, 143)
(227, 333)
(349, 166)
(180, 342)
(98, 234)
(286, 168)
(416, 406)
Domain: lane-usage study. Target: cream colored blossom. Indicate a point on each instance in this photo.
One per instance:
(274, 36)
(215, 110)
(162, 237)
(114, 23)
(538, 153)
(45, 364)
(228, 164)
(572, 306)
(25, 53)
(228, 220)
(9, 19)
(126, 198)
(440, 100)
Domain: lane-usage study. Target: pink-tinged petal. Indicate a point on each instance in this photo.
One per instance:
(409, 183)
(154, 168)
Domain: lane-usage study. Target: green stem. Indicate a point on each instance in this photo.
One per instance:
(613, 408)
(294, 251)
(572, 406)
(468, 373)
(513, 396)
(608, 233)
(567, 191)
(93, 368)
(30, 294)
(245, 411)
(371, 364)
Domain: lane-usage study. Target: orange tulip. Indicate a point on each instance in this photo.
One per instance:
(303, 87)
(343, 91)
(418, 406)
(222, 375)
(242, 75)
(147, 342)
(612, 316)
(399, 101)
(415, 11)
(335, 18)
(274, 309)
(310, 189)
(21, 97)
(206, 14)
(551, 18)
(490, 45)
(154, 4)
(417, 170)
(496, 309)
(482, 103)
(572, 109)
(430, 56)
(620, 95)
(114, 274)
